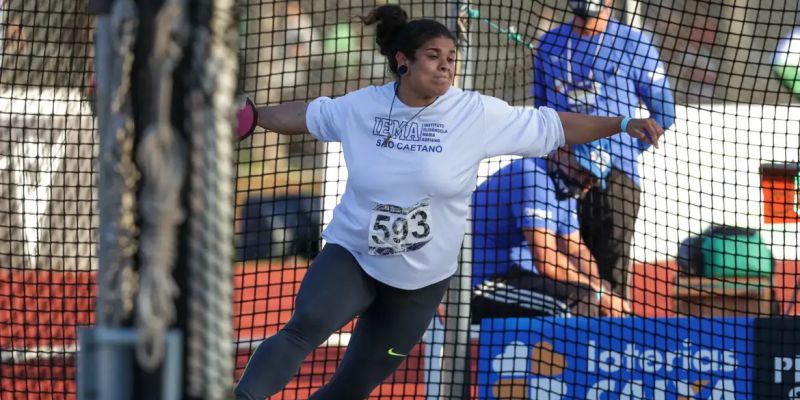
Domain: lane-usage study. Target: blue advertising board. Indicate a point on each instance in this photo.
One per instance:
(777, 358)
(616, 358)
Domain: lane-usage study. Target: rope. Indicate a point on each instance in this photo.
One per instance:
(118, 180)
(162, 157)
(209, 358)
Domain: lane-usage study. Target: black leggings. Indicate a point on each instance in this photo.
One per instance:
(334, 291)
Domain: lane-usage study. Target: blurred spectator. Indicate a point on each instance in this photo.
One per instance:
(355, 60)
(15, 38)
(280, 227)
(700, 67)
(282, 52)
(34, 31)
(279, 52)
(341, 39)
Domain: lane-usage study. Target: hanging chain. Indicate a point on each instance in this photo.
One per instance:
(119, 179)
(214, 64)
(162, 157)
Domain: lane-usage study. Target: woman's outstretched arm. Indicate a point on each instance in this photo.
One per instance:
(286, 118)
(580, 128)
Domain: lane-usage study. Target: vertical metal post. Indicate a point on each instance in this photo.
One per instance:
(103, 370)
(455, 357)
(3, 23)
(632, 18)
(466, 63)
(107, 363)
(102, 68)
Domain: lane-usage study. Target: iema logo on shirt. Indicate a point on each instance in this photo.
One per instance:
(615, 358)
(409, 131)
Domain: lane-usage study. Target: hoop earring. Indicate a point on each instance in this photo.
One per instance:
(402, 69)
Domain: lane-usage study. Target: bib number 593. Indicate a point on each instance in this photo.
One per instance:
(395, 229)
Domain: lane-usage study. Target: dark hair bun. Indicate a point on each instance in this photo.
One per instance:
(390, 19)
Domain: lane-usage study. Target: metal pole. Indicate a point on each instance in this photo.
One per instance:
(103, 54)
(466, 65)
(3, 23)
(104, 368)
(107, 367)
(631, 14)
(455, 363)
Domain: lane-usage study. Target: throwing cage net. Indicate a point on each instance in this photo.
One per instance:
(120, 210)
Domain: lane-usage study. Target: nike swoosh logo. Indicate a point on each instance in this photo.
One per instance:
(391, 352)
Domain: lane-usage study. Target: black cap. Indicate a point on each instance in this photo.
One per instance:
(586, 8)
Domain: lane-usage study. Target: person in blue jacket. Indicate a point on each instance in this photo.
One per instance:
(527, 251)
(596, 65)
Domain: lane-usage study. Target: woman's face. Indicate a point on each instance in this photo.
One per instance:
(431, 73)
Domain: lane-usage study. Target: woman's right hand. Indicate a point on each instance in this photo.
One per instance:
(246, 118)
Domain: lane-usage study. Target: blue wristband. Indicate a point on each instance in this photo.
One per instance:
(600, 293)
(624, 124)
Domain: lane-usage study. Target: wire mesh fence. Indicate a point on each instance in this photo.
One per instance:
(706, 225)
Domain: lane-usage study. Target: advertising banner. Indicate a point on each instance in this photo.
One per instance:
(616, 358)
(776, 346)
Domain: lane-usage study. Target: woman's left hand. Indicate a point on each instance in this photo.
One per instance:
(646, 129)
